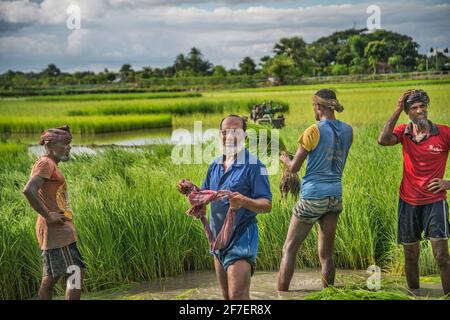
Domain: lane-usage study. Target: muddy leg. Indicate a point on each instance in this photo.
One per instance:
(440, 252)
(221, 276)
(239, 275)
(297, 233)
(46, 289)
(412, 254)
(327, 233)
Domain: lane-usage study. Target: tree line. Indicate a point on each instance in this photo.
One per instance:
(352, 51)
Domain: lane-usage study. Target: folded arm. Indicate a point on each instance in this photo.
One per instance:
(31, 192)
(259, 205)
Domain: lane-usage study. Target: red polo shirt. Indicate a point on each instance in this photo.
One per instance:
(423, 162)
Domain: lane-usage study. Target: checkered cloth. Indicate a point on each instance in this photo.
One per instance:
(199, 199)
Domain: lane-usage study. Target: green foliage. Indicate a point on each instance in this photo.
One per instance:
(192, 64)
(376, 52)
(395, 62)
(220, 71)
(179, 108)
(339, 69)
(126, 228)
(357, 293)
(111, 96)
(360, 51)
(279, 67)
(294, 48)
(84, 125)
(247, 66)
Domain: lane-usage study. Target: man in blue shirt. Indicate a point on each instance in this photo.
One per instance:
(326, 145)
(246, 177)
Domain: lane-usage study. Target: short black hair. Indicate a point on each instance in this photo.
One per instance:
(326, 94)
(244, 123)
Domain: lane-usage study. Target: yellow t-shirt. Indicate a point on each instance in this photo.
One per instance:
(309, 138)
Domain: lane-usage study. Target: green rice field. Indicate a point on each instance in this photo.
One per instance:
(130, 217)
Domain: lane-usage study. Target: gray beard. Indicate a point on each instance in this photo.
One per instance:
(59, 157)
(422, 124)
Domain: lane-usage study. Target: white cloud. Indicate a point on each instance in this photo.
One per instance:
(76, 41)
(141, 32)
(18, 11)
(26, 46)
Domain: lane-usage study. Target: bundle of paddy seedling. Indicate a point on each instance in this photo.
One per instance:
(289, 181)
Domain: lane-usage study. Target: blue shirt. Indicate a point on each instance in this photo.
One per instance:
(249, 178)
(325, 163)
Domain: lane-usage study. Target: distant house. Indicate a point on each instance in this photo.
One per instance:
(383, 67)
(274, 81)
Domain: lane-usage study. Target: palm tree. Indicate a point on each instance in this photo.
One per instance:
(294, 48)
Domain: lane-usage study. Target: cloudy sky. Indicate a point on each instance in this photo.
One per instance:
(151, 33)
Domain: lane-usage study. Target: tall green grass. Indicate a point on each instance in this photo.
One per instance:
(131, 220)
(116, 96)
(180, 108)
(358, 293)
(132, 225)
(10, 150)
(349, 85)
(101, 116)
(119, 104)
(84, 125)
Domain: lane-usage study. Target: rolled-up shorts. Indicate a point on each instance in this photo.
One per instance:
(56, 262)
(311, 210)
(244, 248)
(430, 219)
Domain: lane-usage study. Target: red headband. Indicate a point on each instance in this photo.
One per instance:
(56, 135)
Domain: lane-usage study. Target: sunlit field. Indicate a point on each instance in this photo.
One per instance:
(130, 217)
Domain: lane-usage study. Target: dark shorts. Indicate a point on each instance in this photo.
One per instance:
(311, 210)
(431, 219)
(244, 248)
(56, 261)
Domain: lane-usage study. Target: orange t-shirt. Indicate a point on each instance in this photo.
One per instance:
(53, 194)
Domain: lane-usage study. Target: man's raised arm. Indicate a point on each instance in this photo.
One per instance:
(387, 137)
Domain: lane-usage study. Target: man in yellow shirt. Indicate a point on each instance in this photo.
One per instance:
(325, 145)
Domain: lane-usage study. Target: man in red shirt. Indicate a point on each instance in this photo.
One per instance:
(422, 205)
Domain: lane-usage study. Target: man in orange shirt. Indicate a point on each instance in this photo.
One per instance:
(46, 191)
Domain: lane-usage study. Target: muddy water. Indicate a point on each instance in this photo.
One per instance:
(131, 140)
(203, 285)
(141, 136)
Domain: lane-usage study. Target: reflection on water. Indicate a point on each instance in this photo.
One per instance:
(38, 150)
(203, 285)
(135, 137)
(91, 144)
